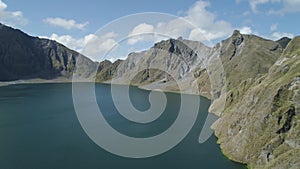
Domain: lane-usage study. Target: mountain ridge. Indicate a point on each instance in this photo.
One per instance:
(26, 57)
(257, 101)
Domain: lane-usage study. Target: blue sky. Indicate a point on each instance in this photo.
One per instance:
(75, 23)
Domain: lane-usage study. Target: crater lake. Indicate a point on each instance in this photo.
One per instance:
(40, 130)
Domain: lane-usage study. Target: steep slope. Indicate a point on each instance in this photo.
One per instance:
(106, 70)
(244, 59)
(26, 57)
(260, 125)
(247, 56)
(165, 66)
(284, 41)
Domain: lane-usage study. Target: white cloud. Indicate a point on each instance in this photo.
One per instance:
(134, 35)
(274, 27)
(197, 34)
(173, 28)
(207, 21)
(254, 3)
(197, 24)
(142, 28)
(289, 6)
(66, 24)
(278, 35)
(96, 47)
(68, 40)
(3, 6)
(12, 18)
(246, 30)
(93, 46)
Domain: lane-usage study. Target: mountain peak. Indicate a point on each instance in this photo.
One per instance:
(284, 41)
(292, 48)
(237, 38)
(26, 57)
(236, 33)
(3, 26)
(180, 38)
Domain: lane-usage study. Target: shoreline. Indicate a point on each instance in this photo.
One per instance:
(41, 81)
(33, 81)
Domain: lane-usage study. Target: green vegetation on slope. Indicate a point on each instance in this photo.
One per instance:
(262, 127)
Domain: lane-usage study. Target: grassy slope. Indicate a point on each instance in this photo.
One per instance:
(259, 127)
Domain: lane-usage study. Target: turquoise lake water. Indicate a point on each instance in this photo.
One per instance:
(40, 130)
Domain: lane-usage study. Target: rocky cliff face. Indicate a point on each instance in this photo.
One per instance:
(259, 124)
(246, 57)
(169, 65)
(26, 57)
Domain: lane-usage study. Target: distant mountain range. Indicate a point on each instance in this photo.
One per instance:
(260, 123)
(26, 57)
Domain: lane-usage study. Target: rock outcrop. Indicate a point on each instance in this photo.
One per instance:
(260, 124)
(171, 65)
(254, 84)
(26, 57)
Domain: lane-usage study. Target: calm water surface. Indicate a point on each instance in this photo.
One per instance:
(39, 130)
